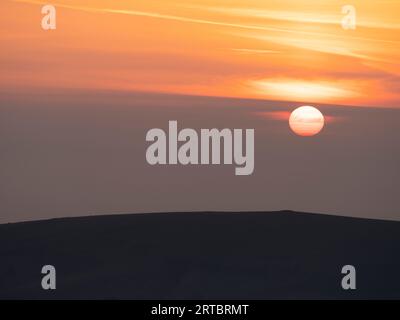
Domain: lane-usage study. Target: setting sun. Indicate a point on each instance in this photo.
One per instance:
(306, 121)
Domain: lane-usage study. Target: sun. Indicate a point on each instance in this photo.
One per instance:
(306, 121)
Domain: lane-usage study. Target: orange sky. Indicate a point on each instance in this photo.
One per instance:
(292, 50)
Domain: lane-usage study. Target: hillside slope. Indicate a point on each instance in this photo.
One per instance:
(201, 256)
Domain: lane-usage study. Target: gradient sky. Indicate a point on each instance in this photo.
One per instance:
(280, 50)
(76, 103)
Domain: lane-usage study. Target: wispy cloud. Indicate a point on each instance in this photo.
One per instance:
(293, 90)
(310, 40)
(316, 58)
(323, 45)
(157, 15)
(297, 16)
(255, 51)
(163, 16)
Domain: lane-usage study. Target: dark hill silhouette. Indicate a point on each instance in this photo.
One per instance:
(201, 256)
